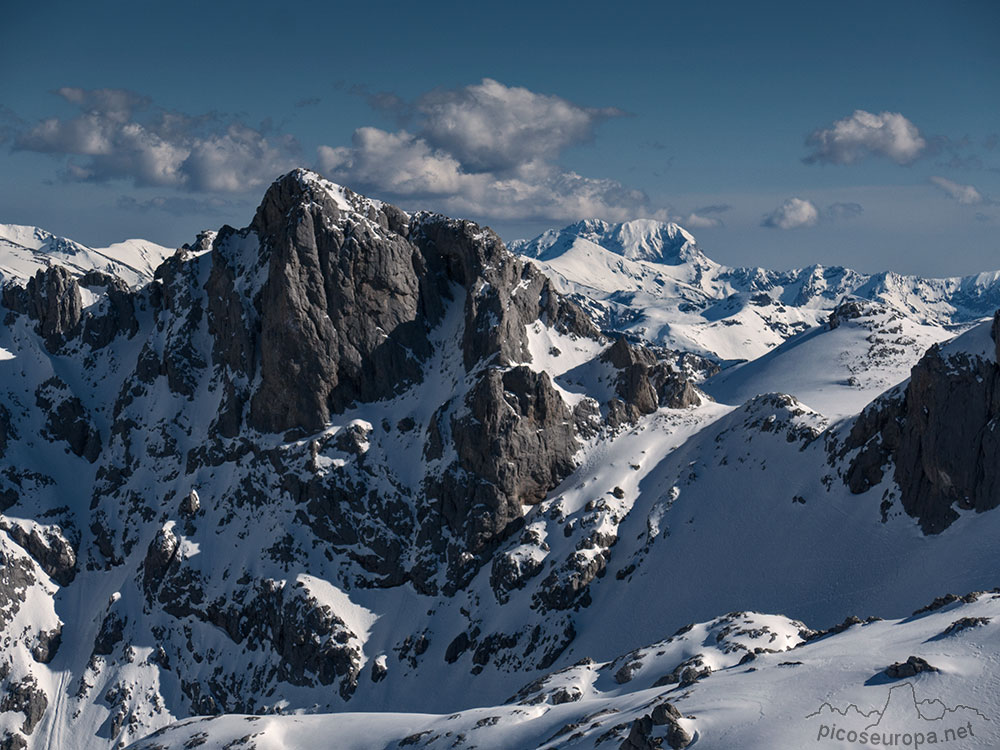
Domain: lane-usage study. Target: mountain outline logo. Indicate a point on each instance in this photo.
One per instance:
(903, 721)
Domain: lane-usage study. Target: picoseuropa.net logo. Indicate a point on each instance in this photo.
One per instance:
(903, 722)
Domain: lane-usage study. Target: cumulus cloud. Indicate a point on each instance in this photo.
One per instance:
(793, 213)
(964, 194)
(406, 165)
(864, 134)
(489, 126)
(799, 212)
(486, 150)
(694, 220)
(399, 163)
(118, 134)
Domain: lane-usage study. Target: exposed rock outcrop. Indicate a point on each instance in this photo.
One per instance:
(346, 307)
(117, 315)
(640, 736)
(517, 441)
(913, 666)
(25, 697)
(644, 383)
(504, 294)
(51, 297)
(67, 419)
(938, 435)
(48, 546)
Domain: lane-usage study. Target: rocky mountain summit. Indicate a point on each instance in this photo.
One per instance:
(352, 458)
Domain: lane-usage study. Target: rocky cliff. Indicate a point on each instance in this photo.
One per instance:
(937, 433)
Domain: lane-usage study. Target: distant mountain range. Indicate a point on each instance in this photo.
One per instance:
(25, 250)
(652, 280)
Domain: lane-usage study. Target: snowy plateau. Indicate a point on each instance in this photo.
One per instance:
(351, 477)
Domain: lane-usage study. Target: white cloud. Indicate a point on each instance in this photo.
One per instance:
(695, 220)
(793, 213)
(398, 163)
(486, 150)
(864, 134)
(964, 194)
(404, 165)
(489, 126)
(704, 217)
(116, 136)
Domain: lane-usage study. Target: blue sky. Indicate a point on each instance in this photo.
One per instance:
(781, 133)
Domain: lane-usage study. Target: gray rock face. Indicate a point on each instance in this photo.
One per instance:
(52, 297)
(349, 300)
(190, 505)
(504, 294)
(344, 311)
(161, 552)
(47, 646)
(48, 546)
(937, 434)
(913, 666)
(25, 697)
(644, 384)
(16, 576)
(117, 316)
(517, 441)
(110, 634)
(67, 419)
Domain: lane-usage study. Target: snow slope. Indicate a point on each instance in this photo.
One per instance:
(767, 688)
(835, 369)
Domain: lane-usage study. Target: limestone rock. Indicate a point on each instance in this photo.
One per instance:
(67, 419)
(516, 442)
(937, 435)
(190, 505)
(344, 312)
(913, 666)
(644, 383)
(51, 297)
(48, 546)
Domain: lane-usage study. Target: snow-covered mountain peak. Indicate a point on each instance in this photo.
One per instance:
(647, 240)
(24, 250)
(345, 199)
(25, 236)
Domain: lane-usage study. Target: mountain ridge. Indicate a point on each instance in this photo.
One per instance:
(733, 313)
(212, 503)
